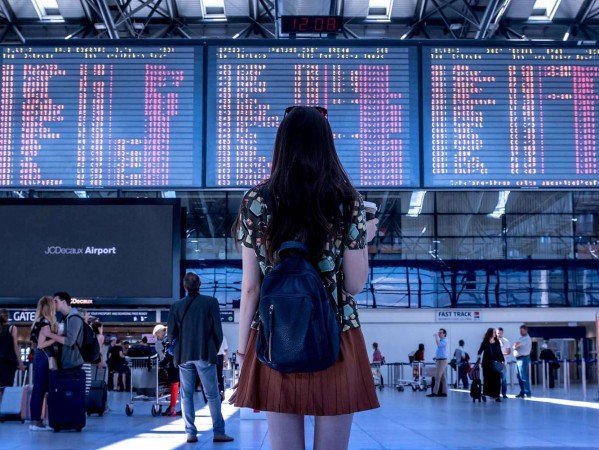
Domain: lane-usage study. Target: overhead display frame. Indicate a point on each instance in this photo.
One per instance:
(510, 116)
(101, 115)
(369, 89)
(109, 252)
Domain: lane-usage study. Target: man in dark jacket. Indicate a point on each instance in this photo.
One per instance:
(195, 324)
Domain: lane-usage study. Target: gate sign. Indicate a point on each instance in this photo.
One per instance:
(27, 315)
(458, 315)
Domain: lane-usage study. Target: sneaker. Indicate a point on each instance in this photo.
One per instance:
(504, 396)
(191, 439)
(222, 438)
(38, 428)
(520, 396)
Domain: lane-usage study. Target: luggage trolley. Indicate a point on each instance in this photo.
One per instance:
(161, 388)
(418, 382)
(376, 375)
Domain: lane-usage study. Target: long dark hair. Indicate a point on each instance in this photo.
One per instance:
(489, 334)
(311, 197)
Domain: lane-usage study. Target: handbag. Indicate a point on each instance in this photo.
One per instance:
(52, 363)
(498, 366)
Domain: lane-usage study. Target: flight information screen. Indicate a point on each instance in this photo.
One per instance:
(504, 117)
(371, 94)
(100, 116)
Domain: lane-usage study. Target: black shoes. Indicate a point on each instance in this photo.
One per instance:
(504, 396)
(520, 396)
(222, 438)
(498, 399)
(432, 395)
(192, 439)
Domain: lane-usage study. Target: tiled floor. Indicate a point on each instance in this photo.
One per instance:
(406, 420)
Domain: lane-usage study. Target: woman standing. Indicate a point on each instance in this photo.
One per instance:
(45, 320)
(10, 356)
(307, 198)
(491, 351)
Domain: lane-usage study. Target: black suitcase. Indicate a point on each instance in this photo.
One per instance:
(97, 396)
(476, 390)
(66, 400)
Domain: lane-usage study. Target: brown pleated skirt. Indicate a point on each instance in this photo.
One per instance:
(344, 388)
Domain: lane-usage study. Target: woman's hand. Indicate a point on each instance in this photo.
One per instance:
(371, 229)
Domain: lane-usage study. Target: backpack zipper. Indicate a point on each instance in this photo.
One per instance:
(270, 313)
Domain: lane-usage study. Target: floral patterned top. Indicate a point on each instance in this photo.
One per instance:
(254, 217)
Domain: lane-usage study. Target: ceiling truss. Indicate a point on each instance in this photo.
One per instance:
(429, 19)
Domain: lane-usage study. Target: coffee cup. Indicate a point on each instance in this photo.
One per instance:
(371, 209)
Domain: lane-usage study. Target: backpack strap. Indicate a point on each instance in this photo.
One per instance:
(80, 331)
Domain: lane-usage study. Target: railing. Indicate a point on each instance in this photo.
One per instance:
(585, 370)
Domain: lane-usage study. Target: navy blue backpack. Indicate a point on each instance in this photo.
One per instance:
(299, 330)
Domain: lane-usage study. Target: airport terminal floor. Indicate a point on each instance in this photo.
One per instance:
(406, 420)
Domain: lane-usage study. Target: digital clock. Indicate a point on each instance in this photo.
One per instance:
(311, 24)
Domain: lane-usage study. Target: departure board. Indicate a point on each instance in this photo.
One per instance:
(371, 93)
(100, 116)
(509, 117)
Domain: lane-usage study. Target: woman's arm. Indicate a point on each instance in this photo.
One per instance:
(355, 262)
(44, 341)
(250, 293)
(55, 337)
(15, 342)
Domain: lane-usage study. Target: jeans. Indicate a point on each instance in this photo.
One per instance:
(462, 375)
(41, 379)
(504, 380)
(522, 363)
(207, 373)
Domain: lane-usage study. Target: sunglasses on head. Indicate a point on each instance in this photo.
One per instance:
(323, 111)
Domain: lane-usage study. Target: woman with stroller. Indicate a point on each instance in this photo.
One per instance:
(492, 360)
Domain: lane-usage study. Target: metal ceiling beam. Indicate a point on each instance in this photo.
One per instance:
(486, 20)
(107, 19)
(11, 18)
(582, 15)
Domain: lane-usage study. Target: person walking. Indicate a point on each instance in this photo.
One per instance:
(440, 387)
(463, 363)
(492, 361)
(309, 198)
(194, 322)
(506, 350)
(166, 362)
(10, 356)
(549, 357)
(522, 348)
(378, 358)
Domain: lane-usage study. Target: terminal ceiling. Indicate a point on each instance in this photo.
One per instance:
(555, 20)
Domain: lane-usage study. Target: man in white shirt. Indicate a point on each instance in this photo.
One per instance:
(522, 349)
(506, 349)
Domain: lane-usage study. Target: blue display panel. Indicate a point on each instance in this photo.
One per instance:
(371, 93)
(509, 117)
(100, 116)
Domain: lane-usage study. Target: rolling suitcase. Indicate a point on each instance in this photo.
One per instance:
(66, 400)
(11, 407)
(476, 391)
(98, 395)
